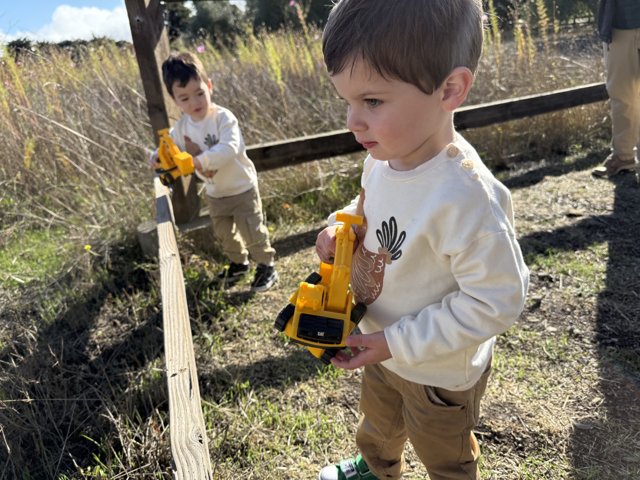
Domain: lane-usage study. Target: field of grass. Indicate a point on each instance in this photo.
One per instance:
(82, 380)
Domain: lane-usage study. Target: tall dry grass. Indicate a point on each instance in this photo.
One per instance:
(76, 129)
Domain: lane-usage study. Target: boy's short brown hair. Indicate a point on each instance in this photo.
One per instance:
(182, 67)
(415, 41)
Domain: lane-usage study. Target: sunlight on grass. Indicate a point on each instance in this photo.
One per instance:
(581, 266)
(33, 255)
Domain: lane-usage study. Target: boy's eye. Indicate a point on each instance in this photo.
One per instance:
(373, 102)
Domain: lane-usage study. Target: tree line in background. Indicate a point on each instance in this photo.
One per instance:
(221, 23)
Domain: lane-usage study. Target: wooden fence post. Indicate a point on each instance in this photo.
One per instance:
(189, 444)
(151, 44)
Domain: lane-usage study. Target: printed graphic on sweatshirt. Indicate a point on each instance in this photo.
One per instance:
(211, 140)
(367, 275)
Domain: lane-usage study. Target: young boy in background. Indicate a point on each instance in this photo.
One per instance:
(210, 133)
(437, 261)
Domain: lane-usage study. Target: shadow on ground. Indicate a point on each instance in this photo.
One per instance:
(594, 446)
(62, 377)
(618, 342)
(67, 382)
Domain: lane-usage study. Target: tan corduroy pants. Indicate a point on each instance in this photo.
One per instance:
(239, 227)
(622, 62)
(438, 423)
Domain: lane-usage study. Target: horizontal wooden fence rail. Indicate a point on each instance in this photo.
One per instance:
(189, 445)
(268, 156)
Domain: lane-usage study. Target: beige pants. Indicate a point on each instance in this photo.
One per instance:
(239, 227)
(622, 62)
(438, 422)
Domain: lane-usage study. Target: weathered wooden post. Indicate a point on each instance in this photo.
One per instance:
(189, 445)
(151, 44)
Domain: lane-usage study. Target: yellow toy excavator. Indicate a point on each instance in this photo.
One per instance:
(171, 161)
(322, 313)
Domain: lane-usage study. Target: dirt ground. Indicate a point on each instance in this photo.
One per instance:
(565, 401)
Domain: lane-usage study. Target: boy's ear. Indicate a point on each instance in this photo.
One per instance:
(456, 87)
(210, 85)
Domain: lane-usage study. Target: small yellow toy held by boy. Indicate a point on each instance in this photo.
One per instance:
(322, 312)
(172, 162)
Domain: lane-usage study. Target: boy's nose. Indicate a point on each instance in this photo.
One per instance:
(354, 123)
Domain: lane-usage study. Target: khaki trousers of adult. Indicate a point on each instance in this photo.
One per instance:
(239, 226)
(622, 62)
(438, 423)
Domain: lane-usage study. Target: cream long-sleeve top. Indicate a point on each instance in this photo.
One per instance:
(439, 266)
(223, 150)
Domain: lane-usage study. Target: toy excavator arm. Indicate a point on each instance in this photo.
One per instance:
(171, 161)
(341, 275)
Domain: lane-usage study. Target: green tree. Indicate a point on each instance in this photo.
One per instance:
(219, 22)
(275, 14)
(177, 19)
(19, 47)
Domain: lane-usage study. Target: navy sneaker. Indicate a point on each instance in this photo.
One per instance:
(232, 273)
(265, 277)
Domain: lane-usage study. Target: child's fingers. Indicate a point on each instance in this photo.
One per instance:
(153, 159)
(325, 246)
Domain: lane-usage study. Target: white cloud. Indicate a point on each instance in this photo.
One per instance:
(80, 23)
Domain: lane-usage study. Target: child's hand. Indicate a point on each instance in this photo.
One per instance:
(326, 244)
(153, 159)
(366, 349)
(197, 164)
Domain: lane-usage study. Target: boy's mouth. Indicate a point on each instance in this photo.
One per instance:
(368, 145)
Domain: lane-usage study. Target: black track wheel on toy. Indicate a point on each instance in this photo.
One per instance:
(358, 312)
(284, 316)
(328, 354)
(314, 278)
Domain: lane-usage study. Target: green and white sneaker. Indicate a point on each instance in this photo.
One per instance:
(350, 469)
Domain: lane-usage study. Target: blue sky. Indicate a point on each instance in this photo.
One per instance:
(57, 20)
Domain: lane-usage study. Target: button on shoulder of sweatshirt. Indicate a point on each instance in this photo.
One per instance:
(452, 151)
(467, 163)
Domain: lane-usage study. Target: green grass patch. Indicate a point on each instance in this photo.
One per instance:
(33, 255)
(584, 267)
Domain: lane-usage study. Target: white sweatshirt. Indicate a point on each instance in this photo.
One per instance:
(218, 136)
(439, 267)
